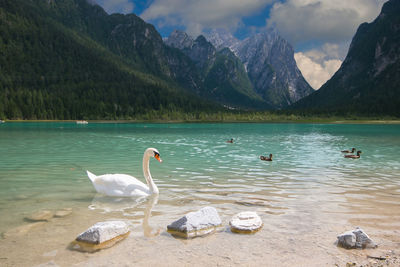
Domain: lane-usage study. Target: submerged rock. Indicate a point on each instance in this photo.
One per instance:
(101, 235)
(355, 239)
(21, 230)
(198, 223)
(62, 213)
(42, 215)
(246, 222)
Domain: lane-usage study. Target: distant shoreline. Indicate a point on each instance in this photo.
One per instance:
(300, 121)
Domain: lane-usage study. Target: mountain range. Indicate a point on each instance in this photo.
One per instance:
(368, 81)
(69, 59)
(270, 64)
(265, 64)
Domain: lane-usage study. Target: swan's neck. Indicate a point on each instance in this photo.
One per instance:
(147, 175)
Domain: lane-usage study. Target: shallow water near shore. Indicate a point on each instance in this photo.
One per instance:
(306, 196)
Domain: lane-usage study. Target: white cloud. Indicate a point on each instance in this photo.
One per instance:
(197, 15)
(116, 6)
(322, 20)
(316, 66)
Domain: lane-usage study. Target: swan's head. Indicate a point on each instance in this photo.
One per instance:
(152, 152)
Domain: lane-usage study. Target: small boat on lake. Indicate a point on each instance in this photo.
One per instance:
(82, 122)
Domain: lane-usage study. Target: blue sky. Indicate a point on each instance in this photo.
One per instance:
(319, 30)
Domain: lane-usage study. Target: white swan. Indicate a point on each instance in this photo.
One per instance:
(123, 185)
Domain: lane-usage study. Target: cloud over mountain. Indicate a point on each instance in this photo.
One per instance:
(325, 21)
(195, 16)
(319, 64)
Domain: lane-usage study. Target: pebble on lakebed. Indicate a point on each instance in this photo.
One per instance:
(42, 215)
(355, 239)
(246, 222)
(100, 236)
(63, 213)
(22, 230)
(193, 224)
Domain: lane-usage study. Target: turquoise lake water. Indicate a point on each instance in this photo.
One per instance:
(42, 166)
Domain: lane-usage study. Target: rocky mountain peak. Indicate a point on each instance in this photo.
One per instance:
(269, 61)
(266, 58)
(221, 38)
(179, 39)
(201, 51)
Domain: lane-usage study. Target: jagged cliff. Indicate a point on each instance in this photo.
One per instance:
(368, 82)
(223, 75)
(269, 62)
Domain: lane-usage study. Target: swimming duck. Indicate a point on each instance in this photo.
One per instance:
(265, 158)
(354, 156)
(348, 151)
(230, 141)
(123, 185)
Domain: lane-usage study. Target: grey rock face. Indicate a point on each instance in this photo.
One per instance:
(222, 76)
(269, 62)
(198, 223)
(103, 231)
(220, 38)
(179, 39)
(363, 240)
(200, 50)
(347, 240)
(355, 239)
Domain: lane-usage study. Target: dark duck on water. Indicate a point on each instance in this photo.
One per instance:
(348, 151)
(266, 158)
(354, 156)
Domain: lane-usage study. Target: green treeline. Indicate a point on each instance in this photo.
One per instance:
(48, 71)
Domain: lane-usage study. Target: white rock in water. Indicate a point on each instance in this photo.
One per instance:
(363, 240)
(43, 215)
(347, 240)
(197, 223)
(245, 222)
(355, 239)
(103, 231)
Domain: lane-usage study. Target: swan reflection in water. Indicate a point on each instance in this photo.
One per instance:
(129, 207)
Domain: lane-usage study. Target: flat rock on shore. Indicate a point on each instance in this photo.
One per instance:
(355, 239)
(101, 235)
(198, 223)
(246, 222)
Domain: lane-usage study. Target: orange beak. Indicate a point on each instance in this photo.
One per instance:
(158, 158)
